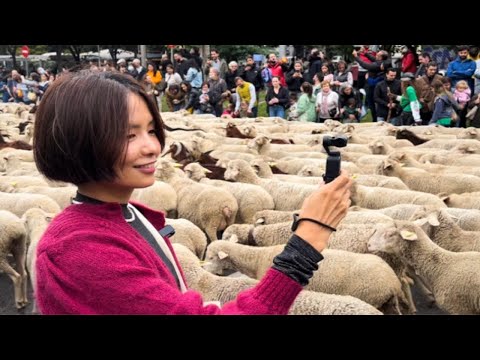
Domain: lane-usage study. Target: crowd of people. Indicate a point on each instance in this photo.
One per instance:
(411, 93)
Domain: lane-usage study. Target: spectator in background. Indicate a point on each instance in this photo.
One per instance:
(277, 68)
(176, 98)
(341, 76)
(380, 63)
(163, 64)
(424, 59)
(426, 95)
(327, 75)
(295, 78)
(306, 104)
(409, 101)
(195, 54)
(277, 98)
(245, 93)
(317, 83)
(462, 68)
(194, 74)
(191, 96)
(462, 95)
(181, 66)
(444, 105)
(409, 59)
(364, 54)
(218, 90)
(252, 74)
(327, 103)
(138, 70)
(232, 73)
(171, 77)
(315, 64)
(217, 63)
(473, 53)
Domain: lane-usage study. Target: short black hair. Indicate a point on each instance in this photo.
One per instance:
(81, 125)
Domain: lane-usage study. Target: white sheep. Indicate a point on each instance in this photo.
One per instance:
(463, 201)
(433, 183)
(225, 289)
(287, 196)
(364, 276)
(160, 196)
(211, 209)
(250, 198)
(62, 195)
(378, 198)
(19, 203)
(443, 231)
(188, 235)
(13, 240)
(454, 278)
(36, 222)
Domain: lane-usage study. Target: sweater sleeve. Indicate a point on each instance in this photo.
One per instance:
(94, 275)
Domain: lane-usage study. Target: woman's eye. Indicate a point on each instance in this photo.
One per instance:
(130, 136)
(152, 132)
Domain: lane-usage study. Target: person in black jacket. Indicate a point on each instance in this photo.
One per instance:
(385, 95)
(277, 98)
(252, 74)
(315, 64)
(295, 78)
(376, 71)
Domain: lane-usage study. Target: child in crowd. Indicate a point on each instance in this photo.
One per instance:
(349, 112)
(462, 92)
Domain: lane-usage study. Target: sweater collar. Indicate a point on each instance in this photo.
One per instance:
(113, 212)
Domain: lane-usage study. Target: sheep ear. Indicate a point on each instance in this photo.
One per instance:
(177, 165)
(420, 222)
(387, 164)
(260, 221)
(222, 255)
(472, 132)
(271, 163)
(444, 197)
(206, 171)
(408, 235)
(379, 144)
(433, 219)
(234, 239)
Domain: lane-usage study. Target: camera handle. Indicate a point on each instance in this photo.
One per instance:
(332, 169)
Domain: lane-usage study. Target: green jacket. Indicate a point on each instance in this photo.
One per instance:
(306, 108)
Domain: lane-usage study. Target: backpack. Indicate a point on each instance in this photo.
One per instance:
(266, 75)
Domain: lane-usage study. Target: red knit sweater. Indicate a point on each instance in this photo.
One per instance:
(91, 261)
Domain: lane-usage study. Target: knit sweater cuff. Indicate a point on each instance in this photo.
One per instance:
(277, 291)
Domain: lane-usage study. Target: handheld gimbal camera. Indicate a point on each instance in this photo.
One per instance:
(334, 158)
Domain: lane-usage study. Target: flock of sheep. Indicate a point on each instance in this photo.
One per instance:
(229, 187)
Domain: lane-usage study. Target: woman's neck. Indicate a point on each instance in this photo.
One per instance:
(106, 192)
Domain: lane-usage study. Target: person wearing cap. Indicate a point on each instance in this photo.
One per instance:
(409, 102)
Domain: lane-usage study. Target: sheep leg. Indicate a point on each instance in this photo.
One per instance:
(211, 232)
(20, 254)
(424, 289)
(17, 282)
(407, 292)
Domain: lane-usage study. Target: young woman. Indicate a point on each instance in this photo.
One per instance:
(276, 98)
(103, 254)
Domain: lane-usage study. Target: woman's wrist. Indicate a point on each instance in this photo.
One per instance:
(315, 235)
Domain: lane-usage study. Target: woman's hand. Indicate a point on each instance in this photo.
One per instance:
(329, 205)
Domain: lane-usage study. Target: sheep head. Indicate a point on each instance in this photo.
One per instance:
(393, 239)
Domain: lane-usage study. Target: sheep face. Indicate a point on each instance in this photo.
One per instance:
(215, 261)
(377, 148)
(232, 172)
(390, 239)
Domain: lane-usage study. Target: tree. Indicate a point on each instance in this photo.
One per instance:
(240, 52)
(12, 50)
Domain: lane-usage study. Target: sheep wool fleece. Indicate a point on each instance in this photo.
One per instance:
(91, 261)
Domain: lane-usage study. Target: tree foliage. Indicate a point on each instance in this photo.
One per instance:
(240, 52)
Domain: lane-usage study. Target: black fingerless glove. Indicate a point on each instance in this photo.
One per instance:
(298, 260)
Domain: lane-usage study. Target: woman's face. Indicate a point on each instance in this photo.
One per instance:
(326, 87)
(324, 69)
(150, 67)
(170, 70)
(347, 90)
(275, 82)
(447, 86)
(143, 149)
(183, 87)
